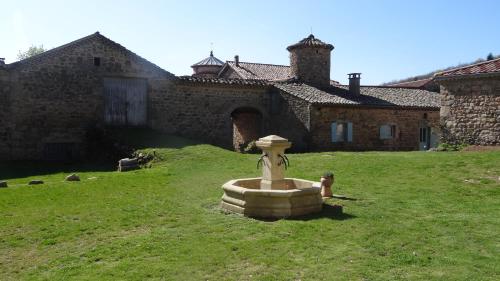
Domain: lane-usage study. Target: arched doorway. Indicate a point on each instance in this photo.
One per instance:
(247, 126)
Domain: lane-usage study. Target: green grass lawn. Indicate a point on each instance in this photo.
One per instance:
(417, 216)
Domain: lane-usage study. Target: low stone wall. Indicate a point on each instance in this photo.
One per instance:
(470, 111)
(366, 123)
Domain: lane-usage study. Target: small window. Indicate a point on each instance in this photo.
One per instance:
(97, 61)
(341, 132)
(387, 132)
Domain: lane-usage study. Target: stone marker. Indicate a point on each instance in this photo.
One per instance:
(3, 184)
(128, 164)
(326, 184)
(33, 182)
(73, 177)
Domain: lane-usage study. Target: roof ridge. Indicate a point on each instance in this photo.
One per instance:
(281, 65)
(55, 49)
(466, 66)
(411, 81)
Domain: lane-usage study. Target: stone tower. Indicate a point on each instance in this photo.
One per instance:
(310, 61)
(207, 68)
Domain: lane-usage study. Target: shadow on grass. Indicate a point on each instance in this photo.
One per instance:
(141, 138)
(328, 212)
(23, 169)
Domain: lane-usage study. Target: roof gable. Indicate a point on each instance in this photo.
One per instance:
(95, 36)
(258, 71)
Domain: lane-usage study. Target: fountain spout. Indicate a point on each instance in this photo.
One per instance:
(274, 164)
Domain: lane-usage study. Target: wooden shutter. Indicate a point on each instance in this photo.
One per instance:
(334, 132)
(349, 131)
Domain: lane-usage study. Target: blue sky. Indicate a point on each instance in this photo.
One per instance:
(384, 39)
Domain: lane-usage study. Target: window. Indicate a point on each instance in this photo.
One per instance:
(97, 61)
(341, 131)
(387, 132)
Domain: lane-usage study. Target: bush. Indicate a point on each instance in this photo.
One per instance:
(451, 147)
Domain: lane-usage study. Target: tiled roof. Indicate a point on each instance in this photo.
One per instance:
(260, 71)
(211, 60)
(95, 36)
(370, 96)
(263, 71)
(486, 67)
(310, 41)
(412, 84)
(191, 79)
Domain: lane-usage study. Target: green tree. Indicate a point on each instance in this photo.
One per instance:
(490, 56)
(32, 51)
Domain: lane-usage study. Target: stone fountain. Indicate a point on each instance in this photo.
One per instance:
(272, 195)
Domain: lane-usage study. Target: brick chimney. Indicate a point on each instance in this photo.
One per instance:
(354, 83)
(237, 60)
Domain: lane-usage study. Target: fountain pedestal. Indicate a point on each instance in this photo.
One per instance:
(272, 195)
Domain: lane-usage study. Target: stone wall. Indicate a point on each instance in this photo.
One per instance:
(470, 111)
(203, 110)
(57, 96)
(5, 126)
(311, 65)
(366, 124)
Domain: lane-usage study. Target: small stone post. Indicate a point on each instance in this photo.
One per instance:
(273, 167)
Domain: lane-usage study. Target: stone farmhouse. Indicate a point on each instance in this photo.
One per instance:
(50, 101)
(470, 111)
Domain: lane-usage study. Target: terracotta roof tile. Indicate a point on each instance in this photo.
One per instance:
(260, 71)
(412, 84)
(370, 96)
(310, 41)
(485, 67)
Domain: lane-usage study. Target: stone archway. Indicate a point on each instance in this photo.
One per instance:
(247, 126)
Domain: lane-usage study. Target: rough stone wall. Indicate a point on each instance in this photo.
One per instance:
(203, 111)
(311, 65)
(56, 98)
(206, 71)
(291, 120)
(5, 127)
(366, 124)
(470, 111)
(246, 128)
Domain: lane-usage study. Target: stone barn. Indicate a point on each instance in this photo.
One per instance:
(50, 101)
(470, 107)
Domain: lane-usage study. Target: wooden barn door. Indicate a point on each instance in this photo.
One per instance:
(125, 101)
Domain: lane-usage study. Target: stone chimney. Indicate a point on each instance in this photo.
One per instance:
(354, 83)
(310, 61)
(237, 60)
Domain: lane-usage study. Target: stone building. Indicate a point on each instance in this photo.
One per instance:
(470, 107)
(49, 102)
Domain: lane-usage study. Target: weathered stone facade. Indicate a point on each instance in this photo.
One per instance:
(54, 99)
(48, 103)
(366, 123)
(470, 110)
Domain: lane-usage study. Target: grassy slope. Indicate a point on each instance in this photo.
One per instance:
(416, 218)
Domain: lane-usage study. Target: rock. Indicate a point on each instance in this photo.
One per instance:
(73, 177)
(3, 184)
(33, 182)
(127, 164)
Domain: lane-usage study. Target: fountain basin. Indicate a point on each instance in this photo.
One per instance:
(296, 197)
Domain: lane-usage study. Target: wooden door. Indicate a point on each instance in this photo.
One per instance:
(125, 101)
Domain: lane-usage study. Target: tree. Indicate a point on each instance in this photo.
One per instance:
(32, 51)
(490, 56)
